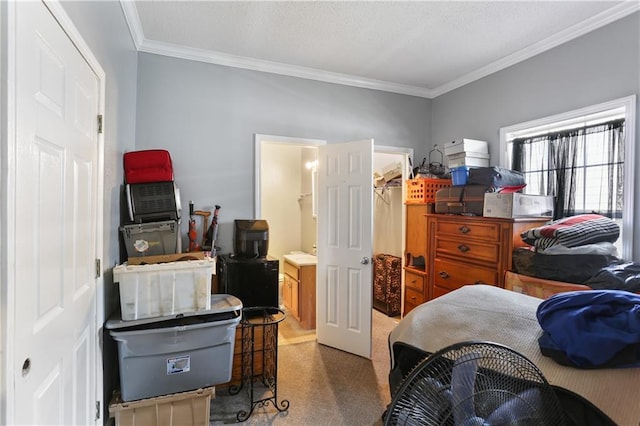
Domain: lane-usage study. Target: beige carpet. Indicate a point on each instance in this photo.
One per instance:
(324, 386)
(290, 332)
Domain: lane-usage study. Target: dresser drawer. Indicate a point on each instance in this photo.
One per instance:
(291, 270)
(476, 229)
(468, 249)
(414, 281)
(452, 275)
(412, 299)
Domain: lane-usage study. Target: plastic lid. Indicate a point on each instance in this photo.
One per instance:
(220, 303)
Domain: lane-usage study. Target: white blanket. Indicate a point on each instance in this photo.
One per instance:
(487, 313)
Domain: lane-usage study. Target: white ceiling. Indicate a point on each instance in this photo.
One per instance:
(421, 48)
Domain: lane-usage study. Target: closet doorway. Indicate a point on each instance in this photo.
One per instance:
(284, 196)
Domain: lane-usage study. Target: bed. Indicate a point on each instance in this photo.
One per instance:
(487, 313)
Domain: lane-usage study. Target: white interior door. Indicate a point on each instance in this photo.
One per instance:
(56, 108)
(345, 219)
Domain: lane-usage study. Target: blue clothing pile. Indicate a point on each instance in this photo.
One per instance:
(591, 329)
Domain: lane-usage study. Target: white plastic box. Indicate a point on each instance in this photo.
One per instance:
(466, 145)
(469, 159)
(165, 288)
(162, 356)
(517, 205)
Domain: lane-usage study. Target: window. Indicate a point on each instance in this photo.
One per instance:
(579, 158)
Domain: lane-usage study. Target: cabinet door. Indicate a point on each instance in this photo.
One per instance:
(291, 298)
(286, 293)
(416, 241)
(295, 298)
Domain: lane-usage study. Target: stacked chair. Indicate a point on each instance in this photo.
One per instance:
(153, 204)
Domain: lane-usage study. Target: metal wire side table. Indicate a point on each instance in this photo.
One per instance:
(260, 359)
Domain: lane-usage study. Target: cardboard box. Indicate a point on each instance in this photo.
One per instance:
(164, 258)
(538, 287)
(517, 205)
(466, 145)
(184, 409)
(392, 171)
(469, 159)
(165, 288)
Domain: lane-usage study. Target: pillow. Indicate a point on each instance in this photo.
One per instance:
(573, 231)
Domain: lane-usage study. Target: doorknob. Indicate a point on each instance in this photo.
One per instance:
(364, 260)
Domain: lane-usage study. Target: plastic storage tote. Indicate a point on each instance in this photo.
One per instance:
(185, 409)
(151, 239)
(162, 356)
(161, 289)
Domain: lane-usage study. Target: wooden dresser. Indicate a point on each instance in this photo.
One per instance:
(471, 250)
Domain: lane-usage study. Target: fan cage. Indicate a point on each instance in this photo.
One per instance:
(503, 377)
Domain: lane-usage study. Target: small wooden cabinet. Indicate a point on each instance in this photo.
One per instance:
(299, 293)
(414, 289)
(471, 250)
(415, 256)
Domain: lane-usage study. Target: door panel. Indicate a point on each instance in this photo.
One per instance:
(345, 218)
(57, 94)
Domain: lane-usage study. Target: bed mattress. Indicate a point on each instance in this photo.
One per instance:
(487, 313)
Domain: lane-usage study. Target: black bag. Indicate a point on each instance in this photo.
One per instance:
(495, 177)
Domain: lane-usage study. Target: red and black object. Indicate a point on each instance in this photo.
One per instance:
(151, 165)
(193, 234)
(212, 232)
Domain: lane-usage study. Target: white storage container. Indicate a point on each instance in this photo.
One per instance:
(517, 205)
(469, 159)
(466, 145)
(162, 356)
(165, 288)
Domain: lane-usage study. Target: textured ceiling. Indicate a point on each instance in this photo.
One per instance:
(420, 47)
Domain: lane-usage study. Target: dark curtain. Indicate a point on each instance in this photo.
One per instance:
(560, 156)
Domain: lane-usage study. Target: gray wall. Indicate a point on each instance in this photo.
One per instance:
(597, 67)
(206, 116)
(103, 27)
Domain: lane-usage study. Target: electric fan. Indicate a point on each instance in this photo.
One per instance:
(475, 384)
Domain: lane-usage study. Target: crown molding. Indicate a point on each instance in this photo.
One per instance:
(219, 58)
(150, 46)
(608, 16)
(133, 22)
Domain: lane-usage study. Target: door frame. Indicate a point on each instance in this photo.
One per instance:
(406, 153)
(259, 141)
(8, 150)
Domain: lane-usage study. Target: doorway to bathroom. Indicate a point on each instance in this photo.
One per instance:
(285, 197)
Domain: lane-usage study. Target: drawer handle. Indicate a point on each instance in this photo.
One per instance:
(463, 248)
(479, 282)
(464, 229)
(443, 274)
